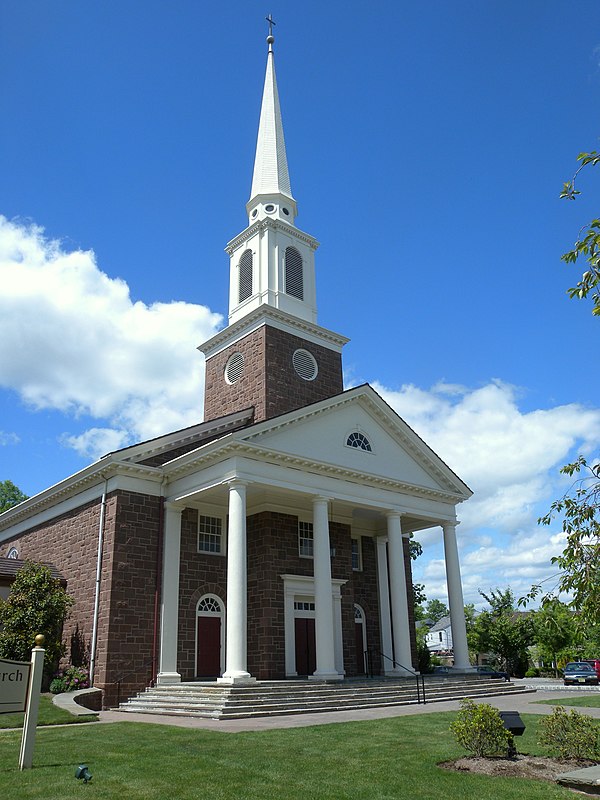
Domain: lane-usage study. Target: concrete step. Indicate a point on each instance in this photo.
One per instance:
(300, 697)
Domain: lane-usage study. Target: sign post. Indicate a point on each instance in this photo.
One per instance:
(33, 702)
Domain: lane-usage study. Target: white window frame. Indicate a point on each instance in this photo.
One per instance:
(222, 536)
(358, 540)
(305, 539)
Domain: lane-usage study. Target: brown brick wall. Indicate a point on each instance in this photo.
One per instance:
(126, 608)
(70, 542)
(269, 381)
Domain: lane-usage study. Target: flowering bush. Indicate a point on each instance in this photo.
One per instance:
(69, 680)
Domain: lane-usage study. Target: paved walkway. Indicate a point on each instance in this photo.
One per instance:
(523, 703)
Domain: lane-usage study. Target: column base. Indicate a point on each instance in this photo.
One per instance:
(401, 673)
(239, 679)
(325, 676)
(165, 678)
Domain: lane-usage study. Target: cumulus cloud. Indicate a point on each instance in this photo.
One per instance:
(509, 458)
(72, 339)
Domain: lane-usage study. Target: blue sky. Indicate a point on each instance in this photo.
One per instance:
(427, 146)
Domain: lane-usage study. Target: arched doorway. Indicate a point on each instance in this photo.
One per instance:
(360, 637)
(209, 636)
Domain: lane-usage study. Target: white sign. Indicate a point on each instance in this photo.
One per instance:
(14, 680)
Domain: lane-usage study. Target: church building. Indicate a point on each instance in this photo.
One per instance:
(270, 541)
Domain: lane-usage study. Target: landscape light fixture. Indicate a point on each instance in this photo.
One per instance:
(82, 773)
(513, 722)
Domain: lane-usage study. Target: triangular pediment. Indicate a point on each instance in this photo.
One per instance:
(320, 434)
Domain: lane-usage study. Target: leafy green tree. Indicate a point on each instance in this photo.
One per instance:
(435, 610)
(10, 495)
(502, 631)
(579, 562)
(588, 241)
(553, 629)
(37, 603)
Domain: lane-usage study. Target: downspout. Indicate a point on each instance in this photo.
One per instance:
(158, 584)
(98, 581)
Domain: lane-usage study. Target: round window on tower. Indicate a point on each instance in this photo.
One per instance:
(305, 365)
(254, 213)
(234, 368)
(270, 208)
(286, 212)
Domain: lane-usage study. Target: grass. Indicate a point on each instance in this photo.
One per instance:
(589, 701)
(48, 714)
(380, 760)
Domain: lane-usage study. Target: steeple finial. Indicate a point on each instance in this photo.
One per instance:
(270, 37)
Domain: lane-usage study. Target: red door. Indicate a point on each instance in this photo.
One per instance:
(360, 648)
(209, 647)
(306, 652)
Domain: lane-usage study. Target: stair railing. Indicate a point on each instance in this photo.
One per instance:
(420, 680)
(126, 675)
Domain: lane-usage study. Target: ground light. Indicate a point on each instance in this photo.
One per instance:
(513, 722)
(83, 773)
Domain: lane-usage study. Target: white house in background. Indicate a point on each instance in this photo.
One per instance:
(439, 637)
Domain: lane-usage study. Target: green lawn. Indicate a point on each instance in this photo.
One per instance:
(49, 714)
(587, 700)
(377, 760)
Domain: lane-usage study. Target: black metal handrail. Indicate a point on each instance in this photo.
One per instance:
(420, 685)
(127, 674)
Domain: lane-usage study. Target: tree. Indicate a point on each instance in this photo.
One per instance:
(553, 628)
(435, 610)
(579, 562)
(588, 241)
(502, 631)
(37, 603)
(10, 495)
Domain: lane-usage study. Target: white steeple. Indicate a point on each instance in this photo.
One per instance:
(272, 261)
(271, 186)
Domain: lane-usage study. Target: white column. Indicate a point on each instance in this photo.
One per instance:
(169, 609)
(385, 617)
(237, 589)
(455, 598)
(401, 630)
(324, 628)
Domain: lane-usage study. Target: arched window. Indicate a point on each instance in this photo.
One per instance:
(360, 441)
(294, 278)
(13, 553)
(245, 286)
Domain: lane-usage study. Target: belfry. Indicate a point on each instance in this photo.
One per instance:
(271, 540)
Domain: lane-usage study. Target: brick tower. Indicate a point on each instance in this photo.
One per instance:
(272, 355)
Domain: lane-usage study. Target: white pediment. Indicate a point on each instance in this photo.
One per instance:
(321, 435)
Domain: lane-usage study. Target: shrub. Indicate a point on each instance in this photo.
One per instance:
(572, 735)
(480, 730)
(532, 673)
(69, 680)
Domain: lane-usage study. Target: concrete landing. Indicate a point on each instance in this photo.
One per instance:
(584, 780)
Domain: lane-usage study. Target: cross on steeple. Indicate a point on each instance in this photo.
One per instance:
(271, 23)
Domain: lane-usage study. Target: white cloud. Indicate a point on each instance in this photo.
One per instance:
(8, 438)
(72, 339)
(509, 458)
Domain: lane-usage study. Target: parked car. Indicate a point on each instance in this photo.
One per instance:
(441, 670)
(594, 664)
(577, 672)
(490, 672)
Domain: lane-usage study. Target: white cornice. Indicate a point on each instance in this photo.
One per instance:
(267, 315)
(270, 224)
(93, 476)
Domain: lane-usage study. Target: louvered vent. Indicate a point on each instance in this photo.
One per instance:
(294, 279)
(234, 368)
(305, 365)
(246, 275)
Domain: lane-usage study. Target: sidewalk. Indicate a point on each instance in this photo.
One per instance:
(523, 703)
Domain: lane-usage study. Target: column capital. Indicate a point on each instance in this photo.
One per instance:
(234, 483)
(321, 498)
(394, 512)
(176, 508)
(450, 525)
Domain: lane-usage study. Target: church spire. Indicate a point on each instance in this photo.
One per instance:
(271, 193)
